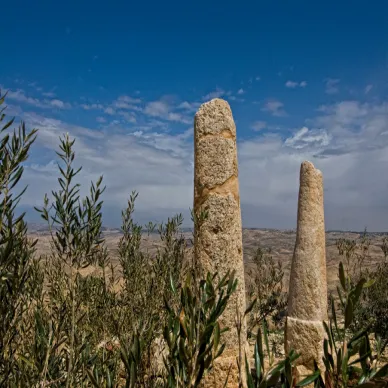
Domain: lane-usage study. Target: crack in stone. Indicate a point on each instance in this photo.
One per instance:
(230, 186)
(307, 321)
(225, 133)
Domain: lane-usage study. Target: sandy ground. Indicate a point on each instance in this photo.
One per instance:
(280, 242)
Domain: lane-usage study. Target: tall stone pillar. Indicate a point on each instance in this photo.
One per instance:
(218, 240)
(307, 300)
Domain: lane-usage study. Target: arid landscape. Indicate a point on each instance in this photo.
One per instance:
(281, 243)
(184, 189)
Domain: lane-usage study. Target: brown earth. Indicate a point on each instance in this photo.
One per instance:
(281, 242)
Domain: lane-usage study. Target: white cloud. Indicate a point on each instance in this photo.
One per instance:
(20, 96)
(156, 108)
(60, 104)
(215, 94)
(177, 117)
(234, 98)
(308, 138)
(293, 84)
(190, 107)
(109, 111)
(259, 125)
(164, 109)
(92, 106)
(258, 78)
(122, 102)
(368, 88)
(101, 119)
(240, 91)
(346, 140)
(275, 107)
(127, 102)
(129, 117)
(332, 86)
(48, 94)
(156, 164)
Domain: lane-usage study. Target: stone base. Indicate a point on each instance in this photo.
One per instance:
(217, 377)
(305, 338)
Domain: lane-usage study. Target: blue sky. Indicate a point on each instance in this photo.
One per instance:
(305, 80)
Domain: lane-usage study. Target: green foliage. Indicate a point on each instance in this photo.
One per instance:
(18, 280)
(266, 287)
(76, 236)
(193, 334)
(75, 228)
(278, 373)
(73, 318)
(67, 319)
(372, 306)
(342, 355)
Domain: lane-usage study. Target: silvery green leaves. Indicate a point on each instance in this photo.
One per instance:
(277, 373)
(76, 224)
(348, 359)
(19, 279)
(193, 334)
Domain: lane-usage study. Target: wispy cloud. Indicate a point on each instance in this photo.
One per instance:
(274, 107)
(240, 91)
(94, 106)
(368, 88)
(60, 104)
(128, 116)
(306, 137)
(164, 109)
(48, 94)
(156, 164)
(215, 94)
(122, 102)
(348, 141)
(259, 125)
(157, 108)
(127, 102)
(189, 106)
(109, 111)
(20, 96)
(294, 84)
(331, 85)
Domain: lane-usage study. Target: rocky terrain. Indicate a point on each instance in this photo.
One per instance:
(281, 242)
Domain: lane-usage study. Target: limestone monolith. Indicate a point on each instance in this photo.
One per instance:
(307, 300)
(218, 240)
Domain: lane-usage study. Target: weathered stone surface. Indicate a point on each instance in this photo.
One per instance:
(218, 241)
(305, 335)
(307, 301)
(224, 368)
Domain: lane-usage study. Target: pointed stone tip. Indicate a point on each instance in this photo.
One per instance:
(215, 103)
(214, 117)
(307, 165)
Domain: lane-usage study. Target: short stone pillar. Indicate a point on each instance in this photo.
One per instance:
(307, 300)
(218, 240)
